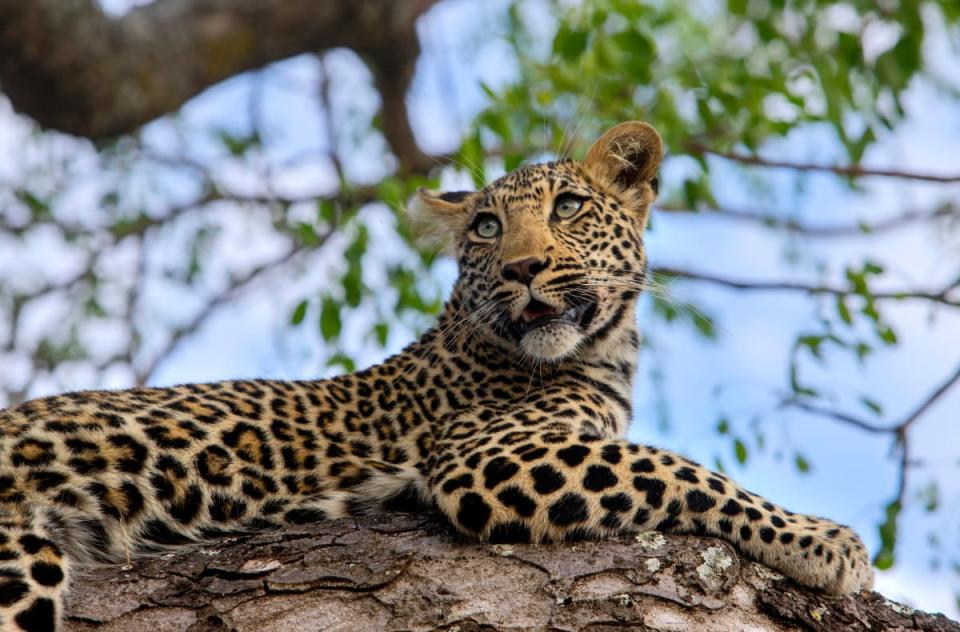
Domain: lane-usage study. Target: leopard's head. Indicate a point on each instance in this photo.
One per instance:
(551, 255)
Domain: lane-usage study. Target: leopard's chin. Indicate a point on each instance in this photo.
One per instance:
(552, 342)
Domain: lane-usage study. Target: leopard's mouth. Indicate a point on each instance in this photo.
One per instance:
(538, 314)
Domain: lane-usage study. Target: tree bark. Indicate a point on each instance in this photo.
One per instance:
(409, 572)
(72, 68)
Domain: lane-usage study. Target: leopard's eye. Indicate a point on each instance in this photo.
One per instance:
(487, 226)
(566, 205)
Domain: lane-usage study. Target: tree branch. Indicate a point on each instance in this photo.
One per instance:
(947, 384)
(142, 223)
(853, 171)
(408, 572)
(392, 62)
(943, 296)
(117, 74)
(780, 222)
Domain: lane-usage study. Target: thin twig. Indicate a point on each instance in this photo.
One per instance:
(930, 400)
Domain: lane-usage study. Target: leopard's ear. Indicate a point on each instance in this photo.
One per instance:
(440, 218)
(627, 158)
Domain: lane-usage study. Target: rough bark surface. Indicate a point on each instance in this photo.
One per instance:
(73, 68)
(409, 572)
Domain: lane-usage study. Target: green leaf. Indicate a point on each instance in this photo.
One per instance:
(930, 497)
(472, 158)
(740, 451)
(737, 7)
(888, 536)
(392, 192)
(883, 559)
(569, 43)
(887, 335)
(842, 310)
(723, 426)
(38, 208)
(330, 324)
(872, 267)
(341, 359)
(382, 331)
(353, 286)
(354, 253)
(299, 313)
(872, 404)
(690, 193)
(110, 199)
(703, 323)
(498, 122)
(803, 466)
(92, 307)
(238, 144)
(307, 234)
(812, 342)
(326, 210)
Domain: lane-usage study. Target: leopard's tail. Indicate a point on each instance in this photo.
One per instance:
(33, 571)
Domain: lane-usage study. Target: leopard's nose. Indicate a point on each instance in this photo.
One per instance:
(525, 270)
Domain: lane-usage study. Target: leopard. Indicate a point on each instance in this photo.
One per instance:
(507, 417)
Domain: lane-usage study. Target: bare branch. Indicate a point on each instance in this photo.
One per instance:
(392, 62)
(853, 171)
(943, 296)
(778, 221)
(142, 223)
(403, 572)
(72, 68)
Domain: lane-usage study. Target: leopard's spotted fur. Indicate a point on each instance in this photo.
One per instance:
(513, 432)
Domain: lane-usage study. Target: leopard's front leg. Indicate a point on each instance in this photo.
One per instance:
(522, 484)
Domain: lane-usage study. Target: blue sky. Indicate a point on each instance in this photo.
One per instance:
(852, 476)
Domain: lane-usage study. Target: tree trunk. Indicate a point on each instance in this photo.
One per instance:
(72, 68)
(409, 572)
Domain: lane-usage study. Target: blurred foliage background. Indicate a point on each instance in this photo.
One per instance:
(793, 125)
